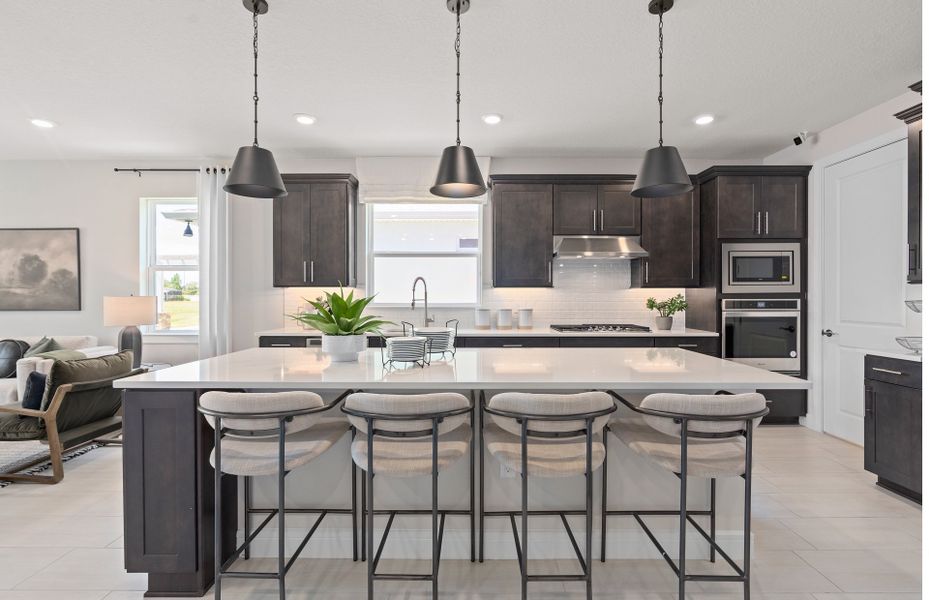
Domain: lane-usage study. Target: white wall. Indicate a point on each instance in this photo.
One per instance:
(105, 207)
(861, 133)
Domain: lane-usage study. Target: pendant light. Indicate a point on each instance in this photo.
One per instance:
(254, 172)
(188, 232)
(458, 176)
(662, 172)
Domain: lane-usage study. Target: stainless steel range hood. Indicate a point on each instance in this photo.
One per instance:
(599, 247)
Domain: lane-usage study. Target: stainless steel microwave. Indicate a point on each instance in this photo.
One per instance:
(763, 267)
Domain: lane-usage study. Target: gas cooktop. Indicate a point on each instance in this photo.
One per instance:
(601, 328)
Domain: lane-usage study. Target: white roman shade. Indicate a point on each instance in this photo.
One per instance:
(406, 180)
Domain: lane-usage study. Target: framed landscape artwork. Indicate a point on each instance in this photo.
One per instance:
(40, 269)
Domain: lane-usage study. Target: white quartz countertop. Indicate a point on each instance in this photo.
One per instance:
(630, 369)
(540, 331)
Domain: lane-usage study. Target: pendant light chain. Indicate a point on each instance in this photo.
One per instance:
(458, 74)
(255, 50)
(661, 76)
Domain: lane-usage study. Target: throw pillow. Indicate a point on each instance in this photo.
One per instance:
(61, 355)
(35, 389)
(43, 345)
(10, 352)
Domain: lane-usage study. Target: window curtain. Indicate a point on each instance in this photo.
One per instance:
(214, 263)
(406, 180)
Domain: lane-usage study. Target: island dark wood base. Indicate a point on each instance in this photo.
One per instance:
(168, 493)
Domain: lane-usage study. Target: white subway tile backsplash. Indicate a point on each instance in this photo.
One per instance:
(584, 291)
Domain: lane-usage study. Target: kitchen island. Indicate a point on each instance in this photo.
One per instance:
(168, 481)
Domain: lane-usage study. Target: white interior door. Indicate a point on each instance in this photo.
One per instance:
(864, 272)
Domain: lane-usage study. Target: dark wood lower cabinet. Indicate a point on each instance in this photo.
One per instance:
(509, 341)
(167, 497)
(703, 345)
(893, 424)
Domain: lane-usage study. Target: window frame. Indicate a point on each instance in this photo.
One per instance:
(148, 267)
(370, 255)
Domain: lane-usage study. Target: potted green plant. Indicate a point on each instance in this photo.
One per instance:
(339, 318)
(666, 310)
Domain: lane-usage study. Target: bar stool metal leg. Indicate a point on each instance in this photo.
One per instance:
(713, 518)
(354, 503)
(524, 463)
(281, 473)
(246, 490)
(589, 517)
(217, 511)
(603, 505)
(480, 451)
(369, 501)
(435, 509)
(682, 551)
(747, 535)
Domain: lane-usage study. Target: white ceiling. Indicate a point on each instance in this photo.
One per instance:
(172, 78)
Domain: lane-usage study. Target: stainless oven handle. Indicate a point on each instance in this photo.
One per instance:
(761, 313)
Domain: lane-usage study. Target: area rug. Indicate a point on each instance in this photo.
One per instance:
(14, 456)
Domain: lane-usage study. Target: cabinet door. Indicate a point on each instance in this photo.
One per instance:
(575, 210)
(620, 211)
(329, 235)
(892, 434)
(914, 205)
(522, 235)
(784, 206)
(739, 209)
(291, 214)
(671, 234)
(507, 341)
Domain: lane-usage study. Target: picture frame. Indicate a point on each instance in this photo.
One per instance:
(40, 269)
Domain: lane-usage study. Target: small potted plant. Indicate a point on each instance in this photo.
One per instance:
(666, 310)
(339, 318)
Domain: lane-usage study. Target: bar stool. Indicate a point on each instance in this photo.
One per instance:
(409, 436)
(259, 434)
(704, 436)
(546, 435)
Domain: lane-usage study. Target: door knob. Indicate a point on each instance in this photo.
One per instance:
(829, 333)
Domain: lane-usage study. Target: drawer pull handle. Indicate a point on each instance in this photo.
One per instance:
(512, 345)
(686, 345)
(280, 345)
(888, 371)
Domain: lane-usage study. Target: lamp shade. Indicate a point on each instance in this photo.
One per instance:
(459, 176)
(126, 311)
(662, 174)
(254, 174)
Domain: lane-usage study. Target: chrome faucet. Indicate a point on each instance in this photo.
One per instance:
(426, 318)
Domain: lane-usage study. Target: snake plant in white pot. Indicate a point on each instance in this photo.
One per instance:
(339, 318)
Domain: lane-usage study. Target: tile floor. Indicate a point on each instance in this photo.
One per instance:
(823, 531)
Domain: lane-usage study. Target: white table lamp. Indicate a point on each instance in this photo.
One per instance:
(128, 312)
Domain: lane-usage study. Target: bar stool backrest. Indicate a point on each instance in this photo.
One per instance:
(262, 403)
(550, 405)
(703, 405)
(407, 404)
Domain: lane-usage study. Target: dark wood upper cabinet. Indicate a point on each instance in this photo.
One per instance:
(575, 210)
(739, 207)
(522, 234)
(620, 211)
(758, 202)
(913, 117)
(605, 209)
(314, 231)
(671, 234)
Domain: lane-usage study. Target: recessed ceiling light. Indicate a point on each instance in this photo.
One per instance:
(304, 119)
(43, 123)
(704, 119)
(492, 119)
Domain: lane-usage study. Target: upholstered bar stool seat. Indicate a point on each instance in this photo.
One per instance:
(706, 459)
(411, 457)
(259, 456)
(545, 457)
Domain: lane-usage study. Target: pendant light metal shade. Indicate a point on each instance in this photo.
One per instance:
(662, 174)
(459, 176)
(254, 174)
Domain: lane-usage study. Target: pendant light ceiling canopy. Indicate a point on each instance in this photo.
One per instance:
(459, 175)
(254, 172)
(662, 172)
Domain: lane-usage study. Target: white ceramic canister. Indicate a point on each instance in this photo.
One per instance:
(505, 318)
(525, 318)
(482, 318)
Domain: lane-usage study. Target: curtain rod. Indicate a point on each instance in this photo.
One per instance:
(140, 171)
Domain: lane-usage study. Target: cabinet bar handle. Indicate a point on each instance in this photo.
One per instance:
(549, 271)
(512, 345)
(312, 270)
(888, 371)
(280, 345)
(304, 271)
(646, 271)
(601, 220)
(766, 222)
(759, 222)
(594, 214)
(686, 345)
